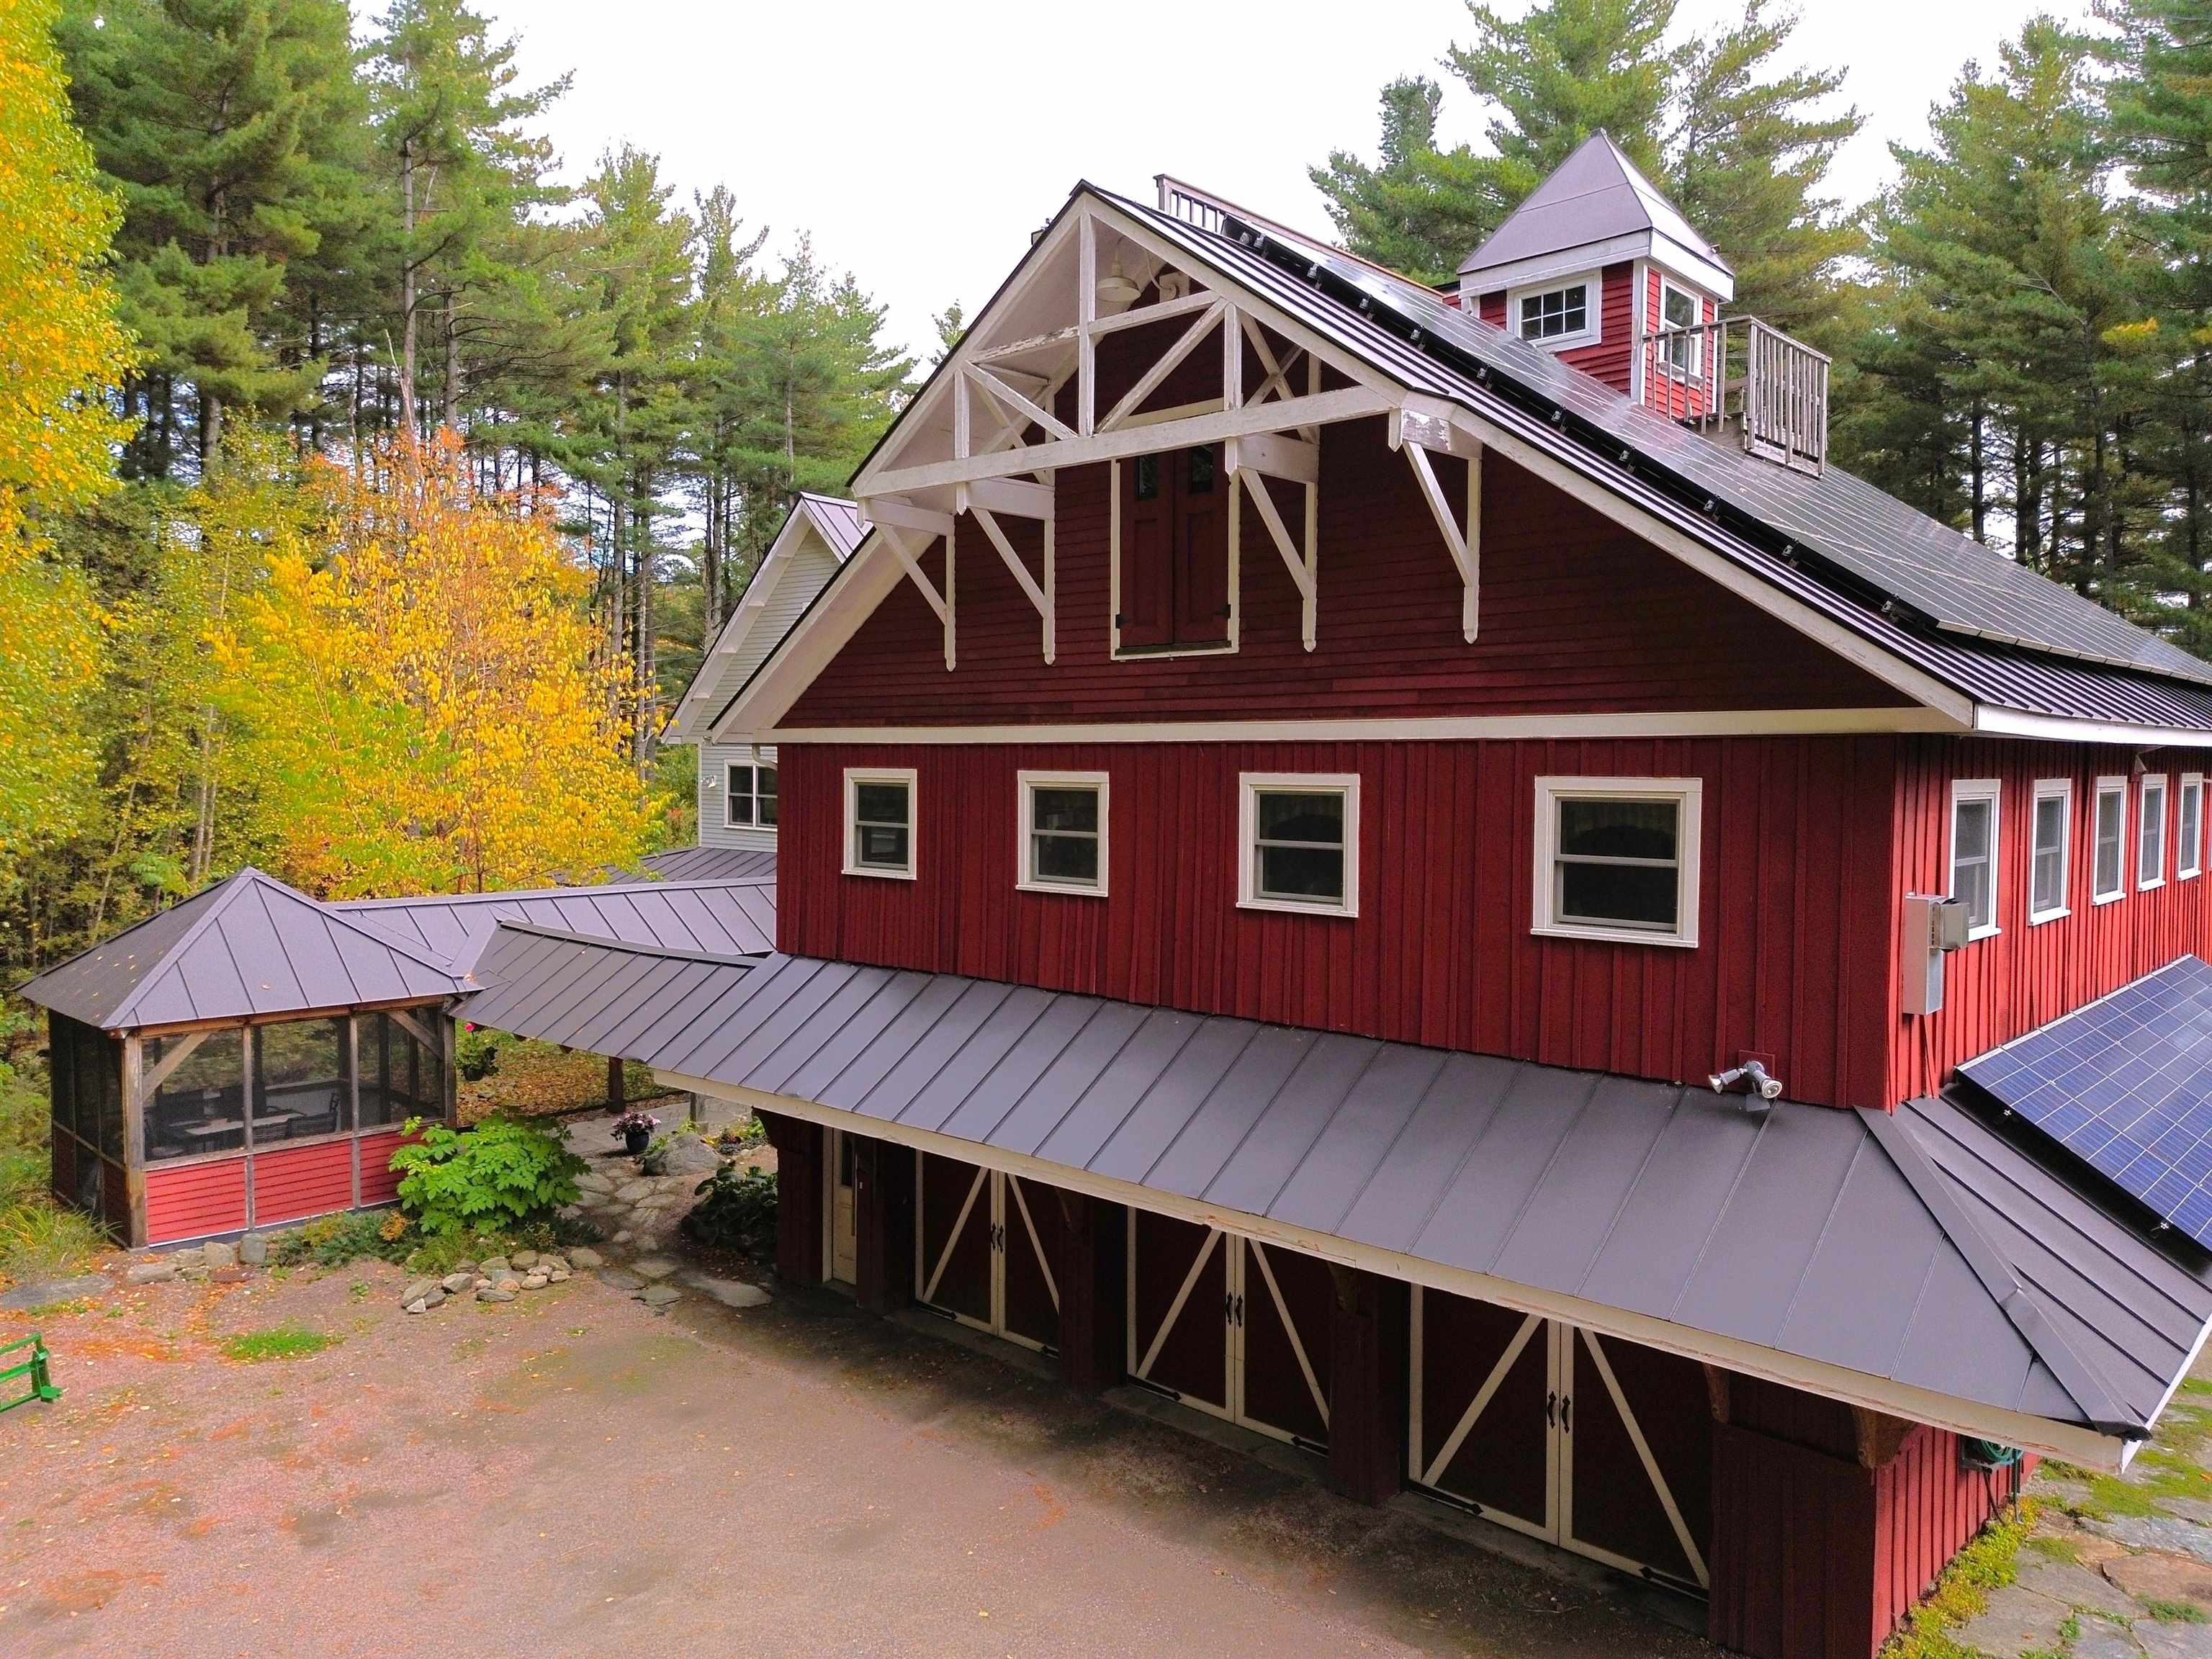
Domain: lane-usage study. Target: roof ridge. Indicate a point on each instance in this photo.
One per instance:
(213, 902)
(625, 946)
(2023, 1310)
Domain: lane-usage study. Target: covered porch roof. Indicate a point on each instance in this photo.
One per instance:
(1908, 1263)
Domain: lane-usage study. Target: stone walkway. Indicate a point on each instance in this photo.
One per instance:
(638, 1214)
(2116, 1566)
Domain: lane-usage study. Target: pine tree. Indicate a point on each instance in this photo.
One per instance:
(227, 125)
(1421, 211)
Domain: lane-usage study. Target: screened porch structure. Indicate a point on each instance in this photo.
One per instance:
(246, 1058)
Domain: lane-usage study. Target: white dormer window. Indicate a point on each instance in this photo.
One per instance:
(1556, 314)
(1679, 308)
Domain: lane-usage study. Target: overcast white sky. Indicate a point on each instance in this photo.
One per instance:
(921, 143)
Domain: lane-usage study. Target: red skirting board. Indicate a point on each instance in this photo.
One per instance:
(302, 1181)
(379, 1184)
(196, 1200)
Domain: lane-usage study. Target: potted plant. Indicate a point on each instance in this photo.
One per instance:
(634, 1131)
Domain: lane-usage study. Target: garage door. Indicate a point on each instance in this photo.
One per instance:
(986, 1246)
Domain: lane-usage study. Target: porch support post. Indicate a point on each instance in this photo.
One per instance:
(799, 1181)
(134, 1137)
(1092, 1257)
(614, 1100)
(1366, 1392)
(883, 1224)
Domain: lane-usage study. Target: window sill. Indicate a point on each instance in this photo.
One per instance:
(1292, 908)
(1614, 935)
(1566, 342)
(2145, 886)
(1061, 889)
(1976, 935)
(878, 871)
(2108, 898)
(2037, 918)
(2187, 875)
(763, 829)
(1168, 652)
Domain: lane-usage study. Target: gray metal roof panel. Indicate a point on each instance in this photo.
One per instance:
(969, 1065)
(1856, 529)
(1596, 193)
(1565, 1226)
(1358, 1137)
(1183, 1154)
(1064, 1086)
(1060, 1023)
(746, 864)
(1283, 1134)
(1397, 1200)
(719, 918)
(1148, 1092)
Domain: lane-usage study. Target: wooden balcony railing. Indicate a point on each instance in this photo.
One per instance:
(1738, 374)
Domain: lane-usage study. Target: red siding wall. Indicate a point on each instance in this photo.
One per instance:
(378, 1185)
(1677, 398)
(1926, 1508)
(1795, 875)
(1576, 615)
(1998, 989)
(196, 1200)
(1611, 356)
(302, 1181)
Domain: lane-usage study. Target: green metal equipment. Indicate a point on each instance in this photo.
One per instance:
(34, 1368)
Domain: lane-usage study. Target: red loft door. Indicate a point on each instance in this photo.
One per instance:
(1175, 550)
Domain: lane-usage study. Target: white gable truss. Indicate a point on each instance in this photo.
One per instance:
(983, 441)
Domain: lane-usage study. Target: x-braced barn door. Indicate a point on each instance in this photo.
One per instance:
(1600, 1445)
(986, 1245)
(1231, 1327)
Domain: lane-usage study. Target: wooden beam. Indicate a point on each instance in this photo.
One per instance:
(157, 1074)
(1014, 497)
(1014, 402)
(1316, 408)
(1198, 299)
(1087, 316)
(896, 537)
(1041, 598)
(1280, 457)
(890, 510)
(420, 1032)
(1465, 543)
(1299, 562)
(1168, 363)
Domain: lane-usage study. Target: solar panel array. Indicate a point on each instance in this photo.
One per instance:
(2125, 1084)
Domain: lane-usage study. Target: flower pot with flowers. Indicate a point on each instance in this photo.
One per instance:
(634, 1131)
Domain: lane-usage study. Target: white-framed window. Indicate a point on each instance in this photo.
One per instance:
(749, 800)
(1556, 313)
(1679, 308)
(2110, 876)
(1063, 832)
(1617, 859)
(1974, 852)
(1299, 842)
(2150, 831)
(2050, 839)
(879, 825)
(2188, 827)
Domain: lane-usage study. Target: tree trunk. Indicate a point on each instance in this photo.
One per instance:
(643, 741)
(407, 286)
(451, 402)
(1976, 473)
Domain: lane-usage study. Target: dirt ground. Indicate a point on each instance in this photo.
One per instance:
(570, 1473)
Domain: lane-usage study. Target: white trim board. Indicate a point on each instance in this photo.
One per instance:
(2073, 1442)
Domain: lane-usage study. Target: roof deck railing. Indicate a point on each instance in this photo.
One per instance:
(1738, 374)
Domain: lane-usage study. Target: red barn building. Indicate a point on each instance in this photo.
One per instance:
(1304, 782)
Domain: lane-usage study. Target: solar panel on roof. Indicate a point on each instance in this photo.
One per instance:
(2125, 1084)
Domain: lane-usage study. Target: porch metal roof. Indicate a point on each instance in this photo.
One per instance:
(730, 917)
(746, 864)
(1913, 1248)
(247, 947)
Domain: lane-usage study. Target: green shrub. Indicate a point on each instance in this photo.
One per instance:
(39, 1237)
(335, 1240)
(499, 1173)
(735, 1212)
(476, 1056)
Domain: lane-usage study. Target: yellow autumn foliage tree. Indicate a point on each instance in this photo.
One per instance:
(423, 710)
(61, 350)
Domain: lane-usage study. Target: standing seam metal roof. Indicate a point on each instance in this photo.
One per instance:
(732, 918)
(1829, 1235)
(247, 947)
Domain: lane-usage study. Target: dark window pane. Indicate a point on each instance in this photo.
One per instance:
(1064, 809)
(1620, 829)
(1148, 478)
(741, 780)
(741, 808)
(1066, 858)
(880, 803)
(1681, 308)
(1636, 895)
(882, 846)
(302, 1079)
(1288, 815)
(1202, 471)
(766, 784)
(1971, 837)
(1301, 873)
(768, 811)
(400, 1077)
(197, 1108)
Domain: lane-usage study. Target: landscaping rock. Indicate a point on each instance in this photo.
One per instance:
(465, 1266)
(417, 1290)
(492, 1267)
(585, 1257)
(570, 1212)
(219, 1255)
(652, 1267)
(616, 1279)
(454, 1283)
(45, 1292)
(2155, 1577)
(509, 1282)
(2075, 1585)
(623, 1236)
(254, 1249)
(2016, 1621)
(418, 1305)
(547, 1264)
(630, 1191)
(688, 1156)
(2157, 1532)
(149, 1272)
(659, 1296)
(2098, 1640)
(533, 1281)
(435, 1296)
(523, 1260)
(2163, 1640)
(730, 1293)
(558, 1276)
(493, 1294)
(594, 1183)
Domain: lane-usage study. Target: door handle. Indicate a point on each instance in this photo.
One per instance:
(1228, 1308)
(1566, 1413)
(1240, 1313)
(1550, 1408)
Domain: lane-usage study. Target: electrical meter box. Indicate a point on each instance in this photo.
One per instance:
(1932, 926)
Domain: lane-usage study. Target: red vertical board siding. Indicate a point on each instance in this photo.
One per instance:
(1686, 399)
(1610, 357)
(195, 1200)
(2000, 988)
(302, 1181)
(1795, 899)
(1577, 617)
(378, 1183)
(1927, 1509)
